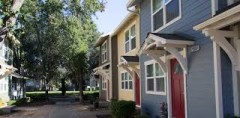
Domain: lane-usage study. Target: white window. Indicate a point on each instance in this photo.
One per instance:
(104, 52)
(130, 39)
(126, 81)
(155, 78)
(221, 4)
(104, 84)
(164, 13)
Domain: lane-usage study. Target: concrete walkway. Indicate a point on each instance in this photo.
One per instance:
(56, 111)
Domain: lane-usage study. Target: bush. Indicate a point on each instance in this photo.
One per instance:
(122, 109)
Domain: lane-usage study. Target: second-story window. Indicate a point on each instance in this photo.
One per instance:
(104, 52)
(164, 12)
(221, 4)
(130, 39)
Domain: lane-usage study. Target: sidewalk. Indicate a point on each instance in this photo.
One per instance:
(56, 111)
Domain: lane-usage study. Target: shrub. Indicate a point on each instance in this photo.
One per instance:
(122, 109)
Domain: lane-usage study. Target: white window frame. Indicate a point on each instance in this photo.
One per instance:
(130, 39)
(104, 52)
(165, 24)
(124, 81)
(155, 92)
(215, 5)
(104, 84)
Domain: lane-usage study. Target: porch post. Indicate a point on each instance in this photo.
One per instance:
(217, 80)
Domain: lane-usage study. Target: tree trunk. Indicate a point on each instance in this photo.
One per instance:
(46, 90)
(63, 87)
(81, 100)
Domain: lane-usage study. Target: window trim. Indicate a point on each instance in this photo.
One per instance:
(130, 43)
(128, 81)
(103, 59)
(214, 5)
(154, 79)
(164, 16)
(104, 84)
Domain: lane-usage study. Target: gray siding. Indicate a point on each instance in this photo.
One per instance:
(200, 79)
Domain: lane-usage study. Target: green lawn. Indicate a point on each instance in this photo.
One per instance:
(56, 92)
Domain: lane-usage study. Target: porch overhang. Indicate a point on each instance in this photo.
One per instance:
(6, 70)
(101, 71)
(130, 64)
(157, 45)
(213, 28)
(224, 19)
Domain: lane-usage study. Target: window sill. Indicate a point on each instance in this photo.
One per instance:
(130, 51)
(156, 93)
(168, 24)
(126, 89)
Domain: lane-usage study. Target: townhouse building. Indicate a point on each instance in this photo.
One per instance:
(189, 58)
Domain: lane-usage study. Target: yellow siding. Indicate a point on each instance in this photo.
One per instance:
(127, 94)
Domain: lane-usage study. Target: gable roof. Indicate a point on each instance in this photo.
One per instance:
(101, 39)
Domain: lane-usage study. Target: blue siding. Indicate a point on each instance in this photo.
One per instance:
(227, 86)
(200, 79)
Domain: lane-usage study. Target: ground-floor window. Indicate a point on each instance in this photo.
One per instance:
(104, 84)
(126, 81)
(154, 78)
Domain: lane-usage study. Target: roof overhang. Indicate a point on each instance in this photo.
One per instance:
(132, 3)
(6, 70)
(130, 64)
(224, 19)
(157, 45)
(124, 22)
(213, 28)
(102, 39)
(101, 70)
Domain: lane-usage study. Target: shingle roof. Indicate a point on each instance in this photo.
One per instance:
(131, 58)
(171, 36)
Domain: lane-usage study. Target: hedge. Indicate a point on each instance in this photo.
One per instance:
(122, 109)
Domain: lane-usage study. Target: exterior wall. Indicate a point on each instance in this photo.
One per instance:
(200, 78)
(4, 92)
(227, 85)
(127, 94)
(114, 67)
(108, 53)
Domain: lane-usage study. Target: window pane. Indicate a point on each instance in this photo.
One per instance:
(166, 1)
(130, 85)
(133, 32)
(160, 84)
(158, 70)
(150, 70)
(150, 85)
(126, 84)
(122, 76)
(130, 78)
(178, 69)
(127, 47)
(156, 5)
(122, 85)
(158, 19)
(133, 43)
(172, 10)
(126, 36)
(125, 77)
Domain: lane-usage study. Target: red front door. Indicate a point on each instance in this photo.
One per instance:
(137, 89)
(177, 86)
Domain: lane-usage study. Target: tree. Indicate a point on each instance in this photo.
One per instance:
(58, 34)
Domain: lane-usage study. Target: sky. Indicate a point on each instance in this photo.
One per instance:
(115, 12)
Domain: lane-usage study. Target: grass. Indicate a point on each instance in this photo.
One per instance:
(56, 92)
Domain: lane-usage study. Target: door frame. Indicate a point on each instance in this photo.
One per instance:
(169, 90)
